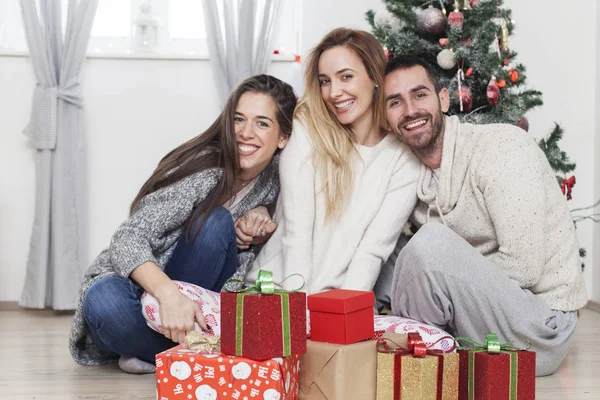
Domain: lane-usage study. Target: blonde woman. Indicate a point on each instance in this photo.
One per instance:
(347, 185)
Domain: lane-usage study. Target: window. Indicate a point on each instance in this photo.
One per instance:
(180, 27)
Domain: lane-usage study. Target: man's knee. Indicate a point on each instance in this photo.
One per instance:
(422, 247)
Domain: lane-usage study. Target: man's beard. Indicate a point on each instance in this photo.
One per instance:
(427, 142)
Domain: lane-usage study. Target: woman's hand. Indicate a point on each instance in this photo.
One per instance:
(177, 311)
(178, 314)
(254, 227)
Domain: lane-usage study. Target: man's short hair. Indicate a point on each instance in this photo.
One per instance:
(404, 61)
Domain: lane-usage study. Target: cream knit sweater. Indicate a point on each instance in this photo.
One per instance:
(498, 192)
(349, 252)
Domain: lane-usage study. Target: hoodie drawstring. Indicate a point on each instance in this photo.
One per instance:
(438, 209)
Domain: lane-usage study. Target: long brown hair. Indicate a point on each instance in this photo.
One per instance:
(334, 142)
(217, 148)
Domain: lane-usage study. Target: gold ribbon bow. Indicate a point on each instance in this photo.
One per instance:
(198, 342)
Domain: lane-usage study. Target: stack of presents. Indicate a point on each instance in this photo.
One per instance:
(264, 353)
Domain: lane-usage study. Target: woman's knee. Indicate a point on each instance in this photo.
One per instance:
(104, 301)
(218, 224)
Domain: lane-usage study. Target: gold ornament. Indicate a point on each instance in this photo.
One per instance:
(504, 36)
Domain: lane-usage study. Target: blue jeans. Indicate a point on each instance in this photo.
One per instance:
(112, 307)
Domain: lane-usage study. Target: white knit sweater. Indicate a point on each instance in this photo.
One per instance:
(348, 252)
(497, 191)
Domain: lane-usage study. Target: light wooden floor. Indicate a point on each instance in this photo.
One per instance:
(35, 364)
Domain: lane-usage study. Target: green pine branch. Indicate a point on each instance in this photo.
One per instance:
(558, 159)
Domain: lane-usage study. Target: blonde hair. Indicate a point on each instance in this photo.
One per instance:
(333, 143)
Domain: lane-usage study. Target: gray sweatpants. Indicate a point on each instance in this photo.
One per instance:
(440, 279)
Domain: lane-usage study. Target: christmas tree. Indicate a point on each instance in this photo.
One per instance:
(467, 42)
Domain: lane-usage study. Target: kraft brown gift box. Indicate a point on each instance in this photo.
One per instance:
(339, 372)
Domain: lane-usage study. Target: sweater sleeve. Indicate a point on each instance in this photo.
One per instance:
(155, 216)
(297, 197)
(510, 178)
(383, 232)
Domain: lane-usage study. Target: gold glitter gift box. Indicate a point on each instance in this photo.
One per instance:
(408, 370)
(331, 371)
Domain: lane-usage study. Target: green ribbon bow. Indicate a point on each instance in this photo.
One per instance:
(264, 285)
(493, 346)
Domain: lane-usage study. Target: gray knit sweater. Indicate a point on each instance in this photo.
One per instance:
(498, 192)
(151, 233)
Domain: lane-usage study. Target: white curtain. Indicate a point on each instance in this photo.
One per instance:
(246, 48)
(55, 132)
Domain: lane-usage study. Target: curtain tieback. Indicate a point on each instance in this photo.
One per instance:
(41, 129)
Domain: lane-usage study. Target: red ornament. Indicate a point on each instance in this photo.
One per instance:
(513, 75)
(567, 185)
(501, 83)
(493, 91)
(469, 72)
(474, 3)
(523, 123)
(465, 95)
(275, 51)
(456, 18)
(443, 41)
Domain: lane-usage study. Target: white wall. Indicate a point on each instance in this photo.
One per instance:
(137, 110)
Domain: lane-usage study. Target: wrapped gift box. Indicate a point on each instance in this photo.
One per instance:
(338, 372)
(341, 316)
(183, 375)
(403, 376)
(491, 376)
(261, 327)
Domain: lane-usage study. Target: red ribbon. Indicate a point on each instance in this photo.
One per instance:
(567, 186)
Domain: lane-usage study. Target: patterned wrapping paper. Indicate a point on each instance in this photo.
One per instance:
(185, 375)
(493, 371)
(403, 373)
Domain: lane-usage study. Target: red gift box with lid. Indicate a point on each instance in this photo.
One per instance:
(341, 316)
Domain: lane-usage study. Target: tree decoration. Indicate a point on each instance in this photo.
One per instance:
(493, 91)
(445, 59)
(523, 123)
(456, 18)
(431, 22)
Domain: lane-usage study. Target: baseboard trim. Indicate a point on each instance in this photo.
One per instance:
(10, 306)
(593, 305)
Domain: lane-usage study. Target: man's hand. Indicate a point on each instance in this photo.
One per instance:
(254, 227)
